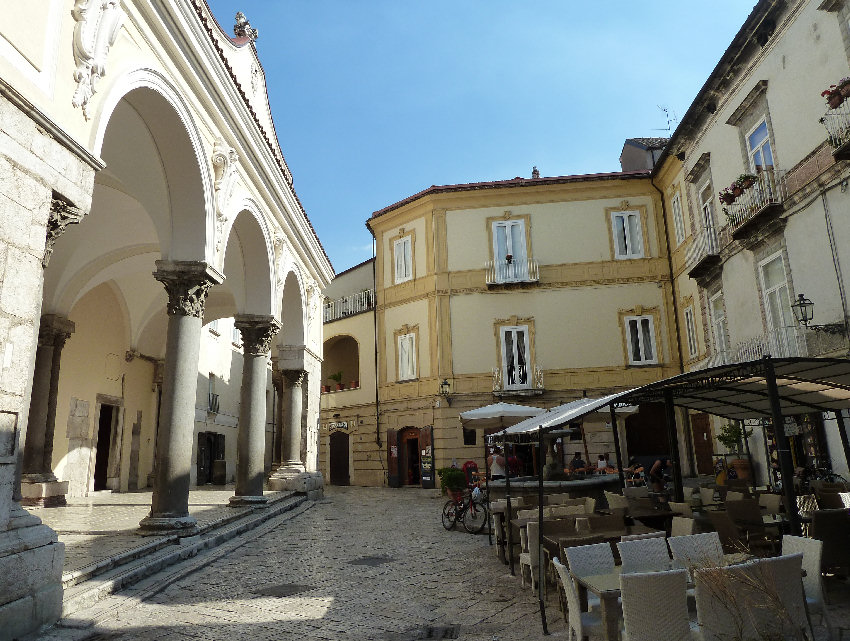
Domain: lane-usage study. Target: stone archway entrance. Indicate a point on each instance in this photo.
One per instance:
(338, 459)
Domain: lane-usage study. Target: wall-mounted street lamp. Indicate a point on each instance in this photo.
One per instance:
(445, 389)
(804, 312)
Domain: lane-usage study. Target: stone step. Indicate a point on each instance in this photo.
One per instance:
(92, 583)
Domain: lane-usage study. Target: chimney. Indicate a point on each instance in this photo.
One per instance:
(535, 172)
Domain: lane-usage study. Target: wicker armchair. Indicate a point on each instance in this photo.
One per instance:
(581, 624)
(644, 555)
(833, 528)
(655, 606)
(812, 551)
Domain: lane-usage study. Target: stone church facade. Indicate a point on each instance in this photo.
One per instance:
(143, 194)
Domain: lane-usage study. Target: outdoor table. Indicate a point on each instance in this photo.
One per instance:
(607, 588)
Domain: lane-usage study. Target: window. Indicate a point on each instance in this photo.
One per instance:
(776, 301)
(403, 255)
(470, 437)
(406, 357)
(758, 147)
(640, 340)
(628, 242)
(515, 359)
(719, 333)
(678, 218)
(236, 337)
(691, 331)
(509, 250)
(706, 204)
(213, 327)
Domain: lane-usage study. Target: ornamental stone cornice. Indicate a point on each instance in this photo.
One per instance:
(95, 31)
(62, 214)
(187, 284)
(257, 333)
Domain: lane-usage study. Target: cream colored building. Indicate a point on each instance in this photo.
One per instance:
(532, 291)
(137, 146)
(739, 266)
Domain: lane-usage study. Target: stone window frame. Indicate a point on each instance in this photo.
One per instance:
(690, 323)
(638, 313)
(403, 332)
(508, 215)
(518, 322)
(678, 214)
(750, 113)
(726, 345)
(394, 243)
(643, 216)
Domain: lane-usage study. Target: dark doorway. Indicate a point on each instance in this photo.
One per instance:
(206, 456)
(104, 445)
(408, 460)
(339, 458)
(646, 431)
(701, 431)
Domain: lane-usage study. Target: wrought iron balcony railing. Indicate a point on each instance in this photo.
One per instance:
(512, 271)
(783, 342)
(349, 305)
(765, 196)
(837, 124)
(703, 253)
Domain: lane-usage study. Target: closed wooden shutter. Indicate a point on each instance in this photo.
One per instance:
(392, 458)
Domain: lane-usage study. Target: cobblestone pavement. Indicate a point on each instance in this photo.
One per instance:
(106, 523)
(363, 563)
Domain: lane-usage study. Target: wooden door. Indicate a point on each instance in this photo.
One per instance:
(205, 454)
(703, 443)
(339, 458)
(426, 462)
(392, 458)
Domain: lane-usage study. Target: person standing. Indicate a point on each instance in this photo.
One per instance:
(497, 464)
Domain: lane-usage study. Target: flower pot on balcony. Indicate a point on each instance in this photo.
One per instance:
(835, 100)
(737, 191)
(845, 90)
(727, 199)
(355, 384)
(326, 388)
(340, 387)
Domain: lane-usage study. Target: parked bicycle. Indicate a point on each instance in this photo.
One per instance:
(470, 508)
(811, 473)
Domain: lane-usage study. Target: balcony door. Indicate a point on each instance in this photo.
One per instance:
(509, 250)
(777, 306)
(515, 357)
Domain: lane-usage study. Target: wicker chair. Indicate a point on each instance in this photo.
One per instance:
(556, 511)
(778, 579)
(636, 492)
(682, 526)
(644, 555)
(660, 534)
(830, 501)
(581, 624)
(706, 495)
(734, 495)
(590, 559)
(772, 503)
(616, 500)
(696, 549)
(530, 557)
(655, 606)
(812, 551)
(606, 522)
(730, 536)
(720, 612)
(682, 508)
(746, 514)
(833, 528)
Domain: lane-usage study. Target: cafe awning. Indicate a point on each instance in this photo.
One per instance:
(559, 416)
(497, 415)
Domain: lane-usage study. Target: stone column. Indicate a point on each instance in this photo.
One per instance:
(187, 284)
(277, 449)
(39, 485)
(293, 412)
(257, 334)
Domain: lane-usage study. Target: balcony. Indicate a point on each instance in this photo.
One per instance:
(511, 270)
(349, 305)
(783, 342)
(522, 385)
(212, 405)
(703, 255)
(758, 204)
(837, 124)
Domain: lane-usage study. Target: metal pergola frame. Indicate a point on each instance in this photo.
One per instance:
(765, 388)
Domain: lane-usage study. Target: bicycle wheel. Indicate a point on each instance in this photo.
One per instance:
(475, 517)
(449, 515)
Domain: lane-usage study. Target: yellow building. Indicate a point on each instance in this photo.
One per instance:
(533, 291)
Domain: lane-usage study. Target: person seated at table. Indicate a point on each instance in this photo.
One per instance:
(603, 466)
(633, 472)
(497, 464)
(577, 464)
(656, 474)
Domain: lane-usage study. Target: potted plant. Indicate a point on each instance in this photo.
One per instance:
(355, 384)
(730, 436)
(326, 389)
(338, 378)
(745, 181)
(844, 87)
(452, 481)
(834, 97)
(727, 196)
(509, 258)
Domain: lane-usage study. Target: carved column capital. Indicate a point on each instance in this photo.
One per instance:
(62, 214)
(294, 377)
(257, 333)
(187, 284)
(54, 330)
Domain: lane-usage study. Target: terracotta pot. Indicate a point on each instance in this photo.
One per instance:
(746, 184)
(326, 388)
(727, 199)
(844, 90)
(737, 191)
(354, 384)
(835, 100)
(340, 387)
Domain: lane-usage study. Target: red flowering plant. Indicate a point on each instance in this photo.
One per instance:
(833, 96)
(728, 195)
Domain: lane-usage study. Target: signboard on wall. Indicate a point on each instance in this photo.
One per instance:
(338, 425)
(426, 458)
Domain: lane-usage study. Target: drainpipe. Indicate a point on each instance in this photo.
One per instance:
(689, 446)
(375, 323)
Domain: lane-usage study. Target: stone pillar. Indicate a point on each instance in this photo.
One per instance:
(277, 449)
(293, 413)
(187, 284)
(39, 485)
(257, 334)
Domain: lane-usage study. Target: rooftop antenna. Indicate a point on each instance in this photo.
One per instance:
(671, 118)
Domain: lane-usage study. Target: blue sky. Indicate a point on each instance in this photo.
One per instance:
(375, 100)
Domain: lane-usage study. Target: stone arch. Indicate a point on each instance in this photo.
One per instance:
(293, 313)
(247, 262)
(191, 206)
(341, 353)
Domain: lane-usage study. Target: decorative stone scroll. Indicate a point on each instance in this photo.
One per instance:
(98, 23)
(257, 334)
(62, 214)
(224, 160)
(294, 377)
(187, 284)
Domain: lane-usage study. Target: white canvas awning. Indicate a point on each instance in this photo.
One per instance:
(559, 416)
(497, 415)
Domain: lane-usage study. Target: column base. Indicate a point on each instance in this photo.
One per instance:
(309, 483)
(181, 525)
(43, 493)
(254, 501)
